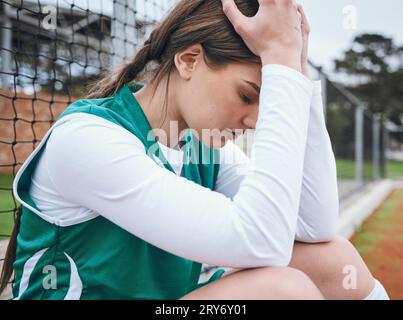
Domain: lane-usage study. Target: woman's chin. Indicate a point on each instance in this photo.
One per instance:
(217, 141)
(220, 142)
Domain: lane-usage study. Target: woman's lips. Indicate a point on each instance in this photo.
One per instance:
(232, 132)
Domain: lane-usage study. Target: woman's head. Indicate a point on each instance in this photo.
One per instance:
(205, 66)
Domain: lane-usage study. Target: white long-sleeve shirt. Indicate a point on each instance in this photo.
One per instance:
(94, 167)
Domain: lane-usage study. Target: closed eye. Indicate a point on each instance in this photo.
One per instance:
(245, 98)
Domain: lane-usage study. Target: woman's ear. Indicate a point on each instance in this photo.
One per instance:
(187, 59)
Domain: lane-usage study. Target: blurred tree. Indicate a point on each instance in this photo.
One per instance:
(376, 65)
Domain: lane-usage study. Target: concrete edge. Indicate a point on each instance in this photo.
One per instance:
(353, 215)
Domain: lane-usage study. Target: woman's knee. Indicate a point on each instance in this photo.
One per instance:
(341, 244)
(291, 283)
(333, 264)
(332, 253)
(260, 283)
(352, 264)
(282, 283)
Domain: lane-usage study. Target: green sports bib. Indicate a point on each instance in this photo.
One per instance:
(96, 259)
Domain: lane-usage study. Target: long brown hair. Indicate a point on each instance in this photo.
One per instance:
(7, 270)
(190, 22)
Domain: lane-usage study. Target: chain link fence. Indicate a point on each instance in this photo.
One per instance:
(367, 146)
(51, 51)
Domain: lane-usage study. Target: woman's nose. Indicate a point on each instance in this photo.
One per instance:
(250, 122)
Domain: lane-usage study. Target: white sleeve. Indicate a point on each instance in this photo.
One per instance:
(319, 203)
(234, 165)
(319, 206)
(108, 173)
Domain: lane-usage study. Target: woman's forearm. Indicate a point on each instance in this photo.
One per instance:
(319, 205)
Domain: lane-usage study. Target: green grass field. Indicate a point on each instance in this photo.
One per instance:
(395, 169)
(380, 242)
(6, 204)
(346, 169)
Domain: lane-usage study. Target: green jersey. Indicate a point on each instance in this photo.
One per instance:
(97, 259)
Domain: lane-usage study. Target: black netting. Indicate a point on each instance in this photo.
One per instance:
(357, 139)
(51, 52)
(340, 122)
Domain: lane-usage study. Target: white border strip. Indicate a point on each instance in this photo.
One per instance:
(353, 216)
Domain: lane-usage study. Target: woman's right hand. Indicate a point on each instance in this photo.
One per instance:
(274, 33)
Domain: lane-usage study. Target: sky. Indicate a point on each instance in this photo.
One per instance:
(333, 27)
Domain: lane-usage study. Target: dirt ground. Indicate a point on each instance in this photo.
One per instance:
(380, 243)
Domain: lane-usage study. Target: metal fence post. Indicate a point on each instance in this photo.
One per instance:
(376, 146)
(385, 149)
(323, 79)
(359, 144)
(6, 46)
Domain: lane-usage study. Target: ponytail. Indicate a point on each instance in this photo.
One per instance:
(154, 49)
(110, 84)
(7, 270)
